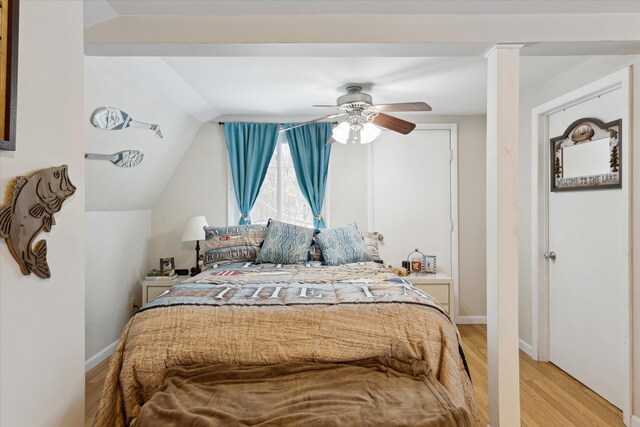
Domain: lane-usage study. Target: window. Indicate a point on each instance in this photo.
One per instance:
(280, 196)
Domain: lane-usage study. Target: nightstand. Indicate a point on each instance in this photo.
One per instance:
(152, 288)
(437, 285)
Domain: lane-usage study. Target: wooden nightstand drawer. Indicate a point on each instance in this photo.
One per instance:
(439, 291)
(153, 288)
(438, 285)
(154, 291)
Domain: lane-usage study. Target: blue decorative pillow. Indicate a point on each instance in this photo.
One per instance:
(285, 243)
(343, 245)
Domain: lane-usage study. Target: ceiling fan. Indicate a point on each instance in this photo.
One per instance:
(364, 117)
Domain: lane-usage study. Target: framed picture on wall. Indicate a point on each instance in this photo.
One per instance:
(8, 72)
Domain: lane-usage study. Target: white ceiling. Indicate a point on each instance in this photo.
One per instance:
(284, 79)
(209, 87)
(431, 7)
(101, 10)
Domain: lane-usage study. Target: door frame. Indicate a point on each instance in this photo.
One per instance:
(540, 213)
(453, 179)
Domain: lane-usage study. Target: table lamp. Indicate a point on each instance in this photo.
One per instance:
(195, 231)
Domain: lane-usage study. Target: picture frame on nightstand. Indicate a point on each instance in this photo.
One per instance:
(167, 264)
(429, 264)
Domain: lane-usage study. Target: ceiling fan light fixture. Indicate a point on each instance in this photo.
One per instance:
(341, 132)
(364, 118)
(369, 133)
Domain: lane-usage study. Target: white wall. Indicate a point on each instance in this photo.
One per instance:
(472, 144)
(116, 259)
(41, 321)
(348, 177)
(587, 72)
(118, 200)
(119, 189)
(199, 187)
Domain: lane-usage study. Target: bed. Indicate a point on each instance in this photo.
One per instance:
(262, 315)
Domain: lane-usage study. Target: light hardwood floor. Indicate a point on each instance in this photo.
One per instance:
(93, 382)
(548, 396)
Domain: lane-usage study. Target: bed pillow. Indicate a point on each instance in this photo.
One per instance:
(238, 243)
(285, 243)
(371, 242)
(343, 245)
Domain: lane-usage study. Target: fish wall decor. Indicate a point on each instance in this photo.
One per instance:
(32, 203)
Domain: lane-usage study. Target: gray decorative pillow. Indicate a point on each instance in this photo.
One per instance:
(285, 243)
(371, 242)
(343, 245)
(236, 243)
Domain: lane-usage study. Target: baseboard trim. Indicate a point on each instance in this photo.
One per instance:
(526, 348)
(94, 360)
(635, 421)
(471, 320)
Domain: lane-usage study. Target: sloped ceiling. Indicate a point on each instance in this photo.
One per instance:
(109, 188)
(96, 11)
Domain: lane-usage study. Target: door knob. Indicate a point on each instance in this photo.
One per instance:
(550, 255)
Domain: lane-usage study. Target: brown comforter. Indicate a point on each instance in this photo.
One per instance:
(364, 393)
(264, 315)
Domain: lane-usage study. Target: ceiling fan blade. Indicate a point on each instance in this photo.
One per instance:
(393, 123)
(329, 141)
(403, 106)
(319, 119)
(325, 106)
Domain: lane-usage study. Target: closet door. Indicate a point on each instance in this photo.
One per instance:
(588, 280)
(411, 192)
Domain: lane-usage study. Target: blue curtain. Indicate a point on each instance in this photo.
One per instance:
(310, 156)
(250, 147)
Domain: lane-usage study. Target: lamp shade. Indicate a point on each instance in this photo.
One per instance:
(341, 132)
(194, 229)
(369, 132)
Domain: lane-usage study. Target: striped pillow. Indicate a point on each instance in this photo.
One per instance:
(238, 243)
(343, 245)
(286, 243)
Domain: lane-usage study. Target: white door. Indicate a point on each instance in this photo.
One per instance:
(412, 195)
(588, 281)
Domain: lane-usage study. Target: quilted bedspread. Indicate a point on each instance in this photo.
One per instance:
(271, 314)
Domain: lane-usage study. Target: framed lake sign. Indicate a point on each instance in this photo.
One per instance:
(8, 72)
(588, 156)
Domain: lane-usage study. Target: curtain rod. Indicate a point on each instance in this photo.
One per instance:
(282, 124)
